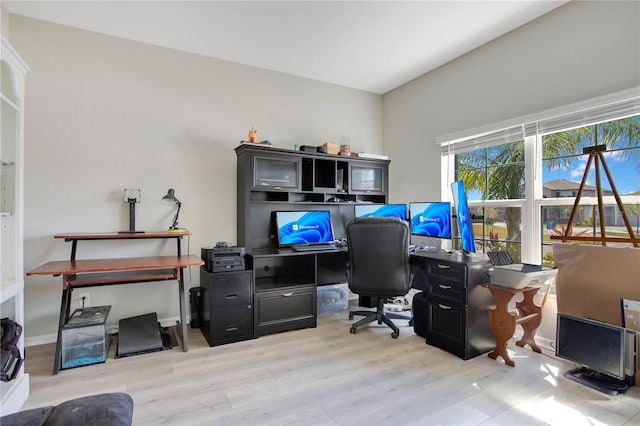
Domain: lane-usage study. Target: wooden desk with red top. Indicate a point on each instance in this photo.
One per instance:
(99, 272)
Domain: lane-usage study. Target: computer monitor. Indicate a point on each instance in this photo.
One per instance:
(381, 210)
(598, 348)
(303, 226)
(465, 226)
(430, 219)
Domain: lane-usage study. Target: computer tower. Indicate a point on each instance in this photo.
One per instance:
(420, 313)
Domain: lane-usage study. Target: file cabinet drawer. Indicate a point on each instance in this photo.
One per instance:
(230, 289)
(230, 324)
(447, 270)
(288, 308)
(449, 290)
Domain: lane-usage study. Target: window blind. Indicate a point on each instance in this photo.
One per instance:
(547, 123)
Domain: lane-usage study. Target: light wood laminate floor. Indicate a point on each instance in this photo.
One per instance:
(327, 376)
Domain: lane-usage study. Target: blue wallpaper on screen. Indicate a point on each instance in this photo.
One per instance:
(311, 227)
(464, 221)
(385, 210)
(433, 221)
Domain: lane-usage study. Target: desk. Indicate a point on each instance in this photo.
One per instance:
(456, 303)
(503, 323)
(99, 272)
(74, 238)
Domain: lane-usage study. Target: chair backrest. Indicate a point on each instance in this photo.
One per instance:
(378, 256)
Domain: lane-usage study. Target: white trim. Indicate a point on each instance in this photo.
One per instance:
(10, 55)
(623, 95)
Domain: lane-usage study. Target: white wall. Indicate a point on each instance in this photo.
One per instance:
(104, 114)
(579, 51)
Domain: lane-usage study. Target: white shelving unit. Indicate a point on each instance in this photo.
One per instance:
(15, 392)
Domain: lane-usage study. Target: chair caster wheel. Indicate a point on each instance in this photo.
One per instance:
(350, 316)
(395, 334)
(411, 322)
(352, 330)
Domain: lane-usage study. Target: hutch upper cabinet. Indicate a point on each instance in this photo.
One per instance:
(15, 392)
(271, 179)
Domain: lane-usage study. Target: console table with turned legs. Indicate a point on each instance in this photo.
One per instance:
(502, 322)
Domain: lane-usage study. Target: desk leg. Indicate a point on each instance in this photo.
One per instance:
(533, 314)
(64, 312)
(502, 324)
(183, 316)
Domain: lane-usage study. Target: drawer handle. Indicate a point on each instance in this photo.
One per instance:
(446, 287)
(277, 187)
(441, 266)
(444, 306)
(232, 296)
(232, 328)
(287, 294)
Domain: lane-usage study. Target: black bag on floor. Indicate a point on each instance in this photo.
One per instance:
(10, 358)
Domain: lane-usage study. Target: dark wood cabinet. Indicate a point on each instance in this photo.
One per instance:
(285, 308)
(227, 306)
(270, 179)
(285, 290)
(457, 304)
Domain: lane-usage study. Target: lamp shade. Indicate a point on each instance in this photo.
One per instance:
(170, 197)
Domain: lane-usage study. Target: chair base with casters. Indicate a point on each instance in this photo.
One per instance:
(378, 315)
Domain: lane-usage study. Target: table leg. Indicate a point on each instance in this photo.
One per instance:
(502, 324)
(183, 316)
(533, 314)
(64, 312)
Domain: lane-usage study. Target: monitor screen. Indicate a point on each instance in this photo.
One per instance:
(593, 344)
(431, 219)
(465, 226)
(300, 227)
(381, 210)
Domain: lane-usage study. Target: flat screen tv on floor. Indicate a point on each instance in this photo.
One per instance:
(604, 353)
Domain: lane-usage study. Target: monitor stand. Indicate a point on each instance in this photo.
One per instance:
(598, 381)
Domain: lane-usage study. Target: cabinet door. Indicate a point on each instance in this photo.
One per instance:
(285, 309)
(276, 172)
(446, 326)
(367, 178)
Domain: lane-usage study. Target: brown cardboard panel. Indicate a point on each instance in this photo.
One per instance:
(591, 280)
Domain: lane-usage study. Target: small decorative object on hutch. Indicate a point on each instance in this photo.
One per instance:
(345, 146)
(253, 135)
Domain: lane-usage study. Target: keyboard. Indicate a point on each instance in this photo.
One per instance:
(314, 247)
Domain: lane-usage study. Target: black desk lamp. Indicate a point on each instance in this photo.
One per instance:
(170, 198)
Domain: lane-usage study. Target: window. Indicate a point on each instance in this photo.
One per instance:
(523, 181)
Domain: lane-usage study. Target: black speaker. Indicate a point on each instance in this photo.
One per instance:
(420, 313)
(195, 300)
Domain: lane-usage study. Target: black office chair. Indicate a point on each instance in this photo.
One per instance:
(378, 265)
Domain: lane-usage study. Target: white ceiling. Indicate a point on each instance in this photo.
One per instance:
(374, 46)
